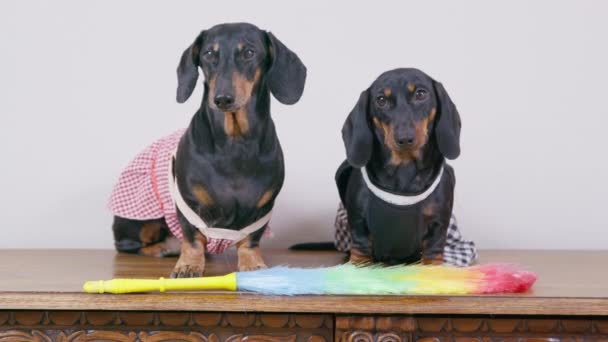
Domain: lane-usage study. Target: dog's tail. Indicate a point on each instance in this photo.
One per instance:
(314, 246)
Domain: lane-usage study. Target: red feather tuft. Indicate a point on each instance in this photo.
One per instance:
(505, 278)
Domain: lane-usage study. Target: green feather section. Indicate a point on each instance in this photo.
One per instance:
(352, 279)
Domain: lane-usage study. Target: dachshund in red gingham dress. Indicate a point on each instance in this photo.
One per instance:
(213, 185)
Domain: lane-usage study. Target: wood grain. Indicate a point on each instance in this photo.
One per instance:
(165, 326)
(570, 283)
(233, 327)
(363, 328)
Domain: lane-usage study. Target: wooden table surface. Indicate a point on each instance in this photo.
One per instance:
(569, 283)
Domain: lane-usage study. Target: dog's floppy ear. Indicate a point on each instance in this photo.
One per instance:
(447, 129)
(187, 70)
(357, 134)
(287, 73)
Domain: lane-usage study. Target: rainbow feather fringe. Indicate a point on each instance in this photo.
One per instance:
(343, 280)
(412, 280)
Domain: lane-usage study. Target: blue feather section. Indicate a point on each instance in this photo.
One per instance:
(282, 280)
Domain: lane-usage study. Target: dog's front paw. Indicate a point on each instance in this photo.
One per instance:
(436, 259)
(251, 265)
(359, 258)
(188, 271)
(250, 259)
(191, 262)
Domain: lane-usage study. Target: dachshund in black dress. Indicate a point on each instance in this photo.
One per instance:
(395, 184)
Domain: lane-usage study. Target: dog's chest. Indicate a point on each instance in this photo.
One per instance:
(389, 223)
(242, 191)
(230, 194)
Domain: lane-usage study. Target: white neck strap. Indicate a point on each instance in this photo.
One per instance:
(208, 232)
(400, 199)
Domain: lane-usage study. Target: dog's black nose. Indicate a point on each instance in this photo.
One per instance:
(406, 141)
(223, 101)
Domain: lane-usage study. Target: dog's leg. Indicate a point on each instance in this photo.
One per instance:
(169, 247)
(191, 262)
(361, 249)
(248, 251)
(433, 242)
(150, 237)
(359, 258)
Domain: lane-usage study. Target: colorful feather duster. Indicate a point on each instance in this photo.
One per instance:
(342, 280)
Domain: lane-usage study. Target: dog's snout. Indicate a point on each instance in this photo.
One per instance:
(223, 101)
(405, 140)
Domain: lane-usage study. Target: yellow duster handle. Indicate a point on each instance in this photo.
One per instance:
(117, 286)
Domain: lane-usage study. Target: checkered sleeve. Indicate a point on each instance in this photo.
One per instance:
(457, 251)
(343, 240)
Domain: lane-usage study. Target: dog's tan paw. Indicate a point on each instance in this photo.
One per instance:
(188, 271)
(162, 249)
(250, 259)
(251, 265)
(191, 262)
(433, 260)
(358, 258)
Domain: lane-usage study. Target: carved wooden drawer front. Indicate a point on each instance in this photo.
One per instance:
(74, 326)
(469, 329)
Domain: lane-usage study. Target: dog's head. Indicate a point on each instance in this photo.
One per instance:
(236, 59)
(403, 109)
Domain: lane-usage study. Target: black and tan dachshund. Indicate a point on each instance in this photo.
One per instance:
(229, 163)
(395, 185)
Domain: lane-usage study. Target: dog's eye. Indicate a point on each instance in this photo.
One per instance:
(381, 101)
(209, 55)
(248, 54)
(420, 94)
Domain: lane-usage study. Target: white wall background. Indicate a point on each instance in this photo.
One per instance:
(85, 85)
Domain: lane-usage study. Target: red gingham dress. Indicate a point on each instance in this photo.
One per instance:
(142, 191)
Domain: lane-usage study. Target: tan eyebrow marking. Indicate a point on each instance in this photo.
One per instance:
(411, 87)
(432, 114)
(216, 47)
(387, 92)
